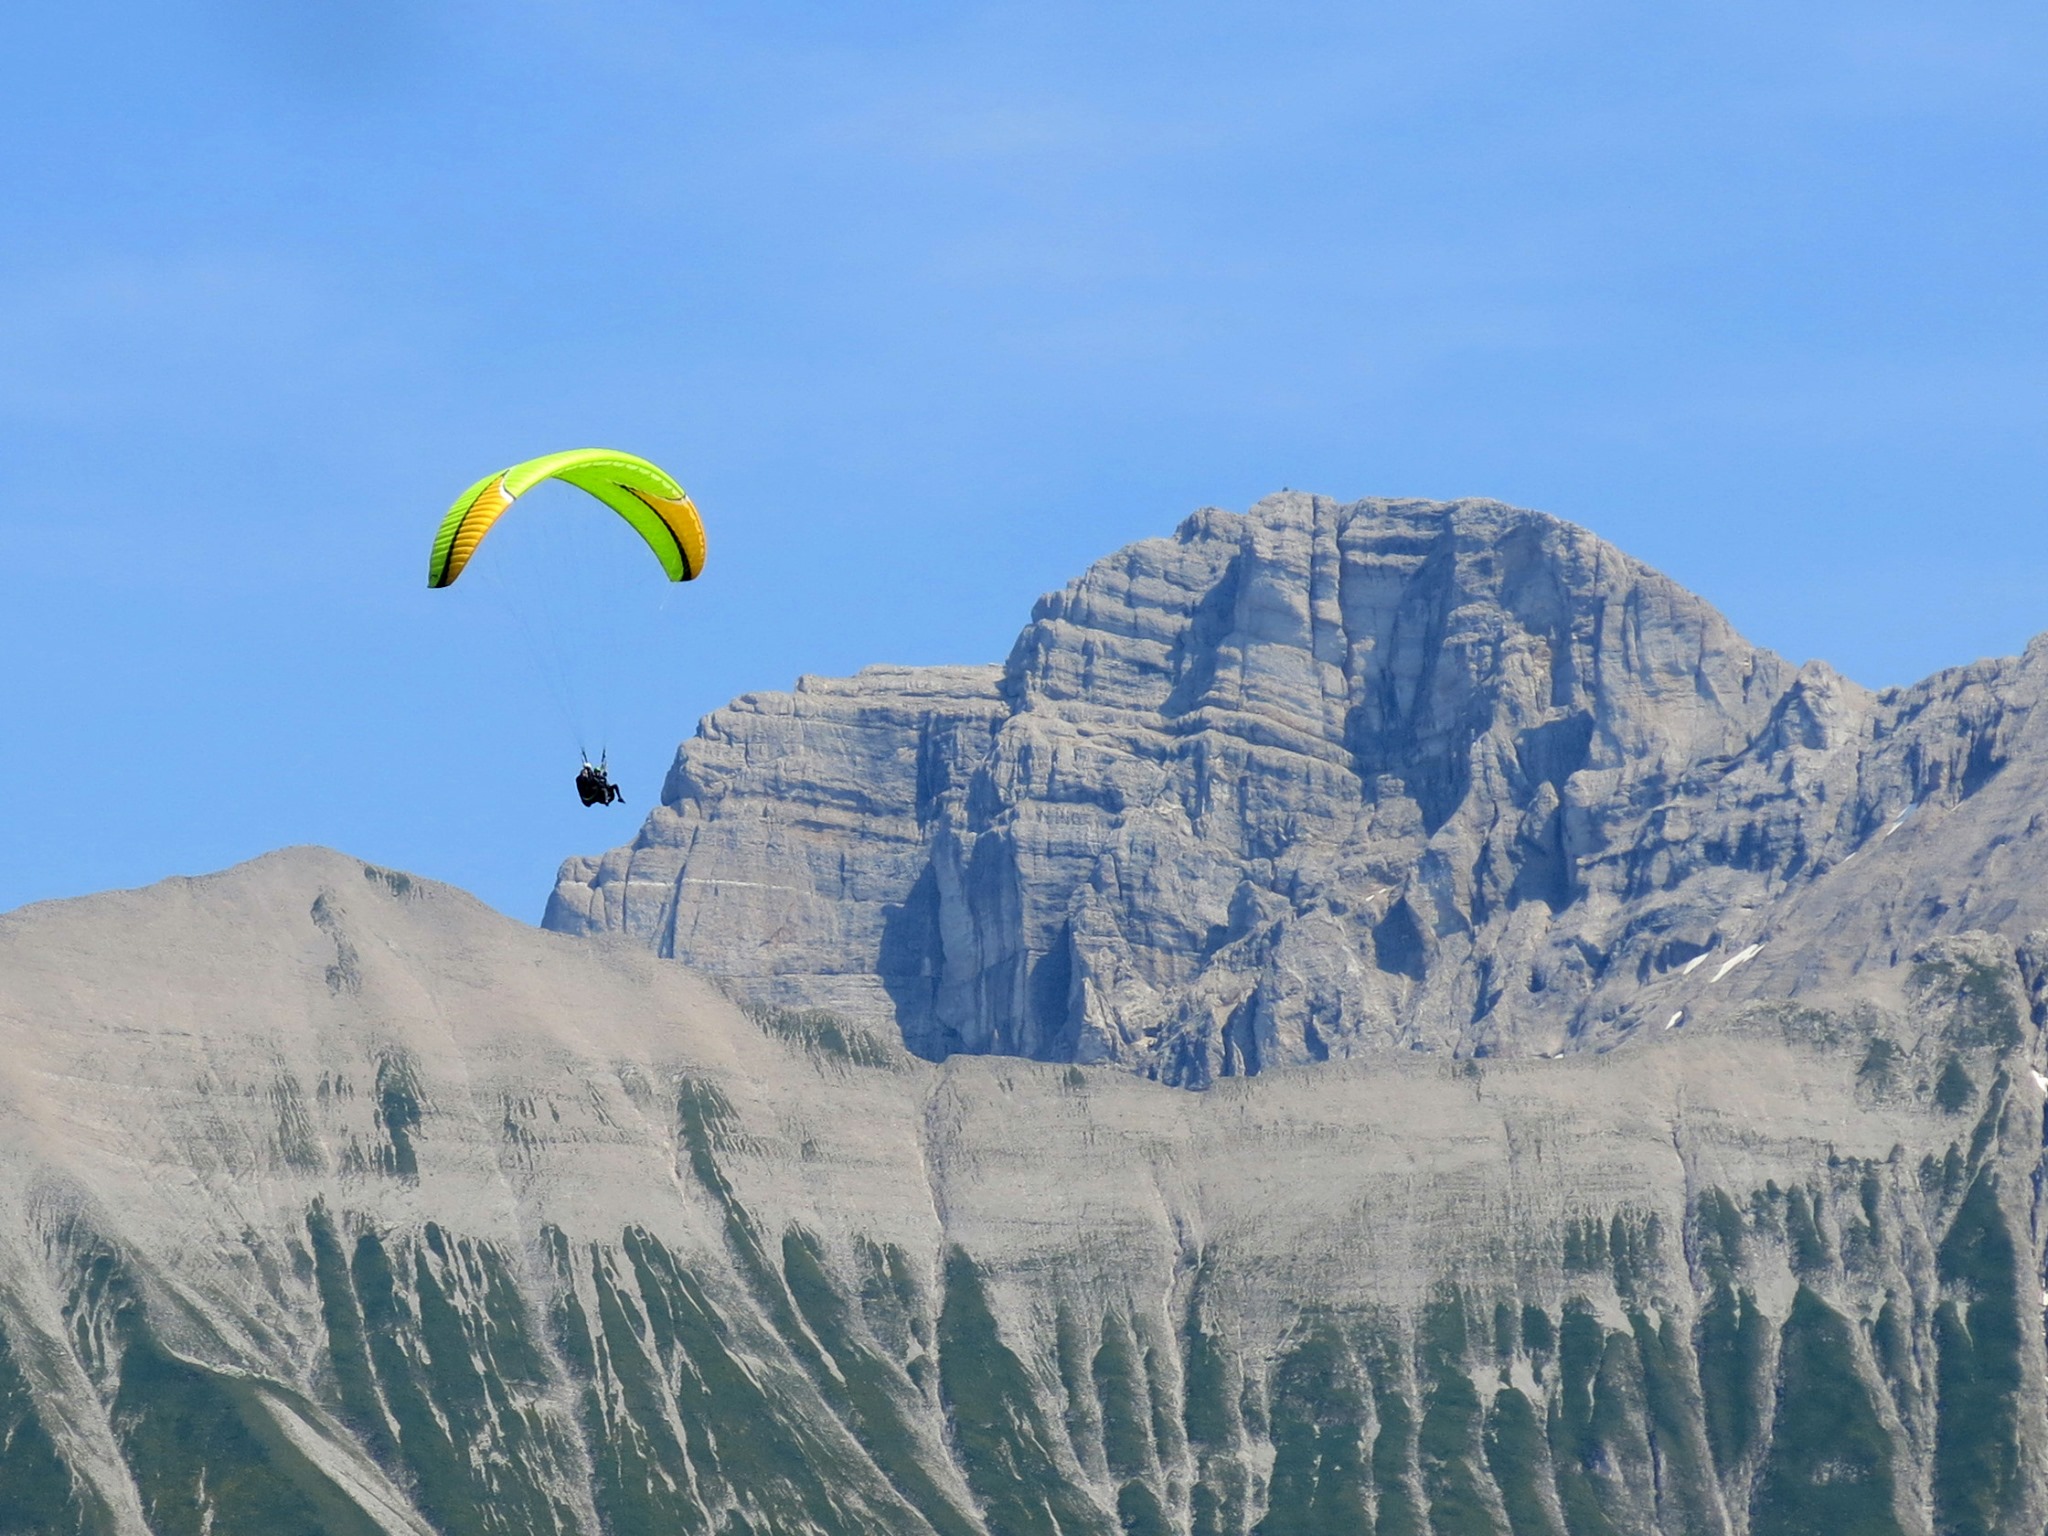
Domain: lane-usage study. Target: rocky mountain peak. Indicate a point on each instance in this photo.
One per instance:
(1395, 635)
(1319, 779)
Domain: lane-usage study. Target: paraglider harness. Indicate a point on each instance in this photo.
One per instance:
(594, 784)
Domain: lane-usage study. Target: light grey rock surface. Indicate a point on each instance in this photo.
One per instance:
(331, 1201)
(1328, 780)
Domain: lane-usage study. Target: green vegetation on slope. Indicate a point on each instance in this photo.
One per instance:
(1211, 1391)
(39, 1495)
(1983, 1009)
(1004, 1444)
(1394, 1474)
(1684, 1479)
(1731, 1342)
(204, 1449)
(816, 1321)
(1319, 1457)
(1977, 1482)
(1120, 1388)
(1516, 1456)
(462, 1382)
(823, 1035)
(1575, 1448)
(879, 1397)
(1449, 1442)
(1829, 1467)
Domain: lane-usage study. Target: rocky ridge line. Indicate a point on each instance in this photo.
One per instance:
(333, 1203)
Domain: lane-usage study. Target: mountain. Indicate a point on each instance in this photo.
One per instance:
(1323, 781)
(335, 1202)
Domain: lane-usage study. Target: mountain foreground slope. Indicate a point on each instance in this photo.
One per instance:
(335, 1202)
(1323, 780)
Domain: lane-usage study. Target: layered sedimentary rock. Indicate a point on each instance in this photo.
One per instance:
(334, 1202)
(1326, 780)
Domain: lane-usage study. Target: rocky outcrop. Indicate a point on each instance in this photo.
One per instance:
(1321, 781)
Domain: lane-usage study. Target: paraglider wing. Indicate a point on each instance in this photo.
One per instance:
(658, 508)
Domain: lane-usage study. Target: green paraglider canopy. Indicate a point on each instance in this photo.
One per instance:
(660, 511)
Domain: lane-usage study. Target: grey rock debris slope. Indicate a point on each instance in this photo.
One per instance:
(333, 1202)
(1325, 780)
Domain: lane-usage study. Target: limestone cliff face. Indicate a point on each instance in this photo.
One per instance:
(1310, 782)
(334, 1204)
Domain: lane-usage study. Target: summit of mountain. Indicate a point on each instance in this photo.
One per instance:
(1323, 780)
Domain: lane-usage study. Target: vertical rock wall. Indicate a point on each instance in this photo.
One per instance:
(1312, 781)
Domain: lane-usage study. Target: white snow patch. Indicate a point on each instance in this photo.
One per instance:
(1740, 957)
(1899, 820)
(1694, 963)
(1673, 1021)
(2040, 1082)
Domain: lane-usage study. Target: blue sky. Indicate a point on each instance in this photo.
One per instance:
(929, 305)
